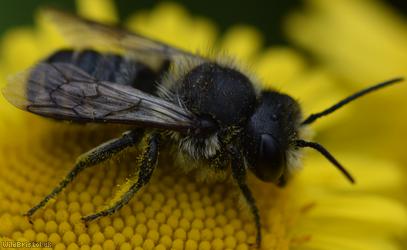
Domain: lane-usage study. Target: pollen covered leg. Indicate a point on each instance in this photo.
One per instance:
(91, 158)
(148, 163)
(239, 175)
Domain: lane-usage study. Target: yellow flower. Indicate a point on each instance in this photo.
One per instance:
(317, 210)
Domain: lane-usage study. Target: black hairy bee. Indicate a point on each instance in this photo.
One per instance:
(210, 113)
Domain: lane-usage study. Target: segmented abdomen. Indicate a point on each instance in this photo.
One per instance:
(110, 67)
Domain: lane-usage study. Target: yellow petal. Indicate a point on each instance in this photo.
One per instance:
(98, 10)
(243, 42)
(171, 24)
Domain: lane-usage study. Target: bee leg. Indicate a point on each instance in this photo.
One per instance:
(97, 155)
(239, 175)
(148, 163)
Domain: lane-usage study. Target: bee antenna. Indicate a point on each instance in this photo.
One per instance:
(310, 119)
(328, 156)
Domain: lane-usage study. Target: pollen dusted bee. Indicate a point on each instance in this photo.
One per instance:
(209, 112)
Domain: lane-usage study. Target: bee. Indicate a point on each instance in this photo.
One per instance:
(212, 115)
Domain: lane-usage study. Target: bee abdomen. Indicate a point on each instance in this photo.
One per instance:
(109, 67)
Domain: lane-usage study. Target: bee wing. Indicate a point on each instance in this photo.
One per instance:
(86, 33)
(64, 91)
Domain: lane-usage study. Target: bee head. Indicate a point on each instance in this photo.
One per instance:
(271, 131)
(274, 128)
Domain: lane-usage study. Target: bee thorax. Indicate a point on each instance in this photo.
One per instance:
(220, 93)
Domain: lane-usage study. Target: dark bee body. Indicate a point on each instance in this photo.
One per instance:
(217, 94)
(209, 114)
(112, 67)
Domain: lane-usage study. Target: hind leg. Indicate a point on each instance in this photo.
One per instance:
(148, 163)
(91, 158)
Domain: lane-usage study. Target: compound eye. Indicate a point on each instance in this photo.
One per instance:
(271, 160)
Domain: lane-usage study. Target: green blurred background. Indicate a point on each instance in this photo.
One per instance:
(267, 16)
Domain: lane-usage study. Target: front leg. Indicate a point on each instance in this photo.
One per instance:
(239, 175)
(148, 163)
